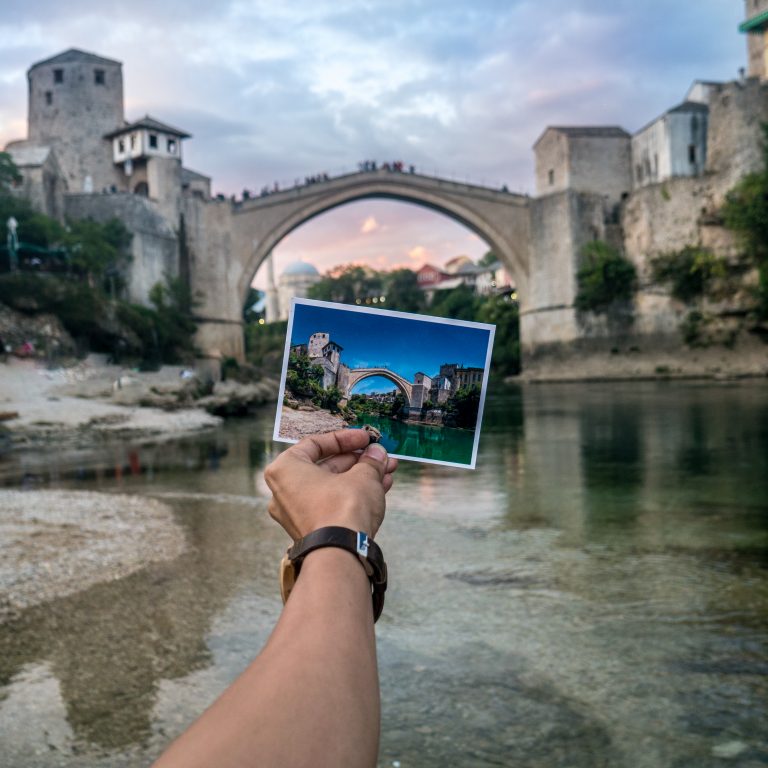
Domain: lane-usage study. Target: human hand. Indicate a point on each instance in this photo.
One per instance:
(323, 480)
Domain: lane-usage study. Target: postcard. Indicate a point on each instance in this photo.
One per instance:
(418, 382)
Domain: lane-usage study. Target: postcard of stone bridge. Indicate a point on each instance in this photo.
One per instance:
(417, 383)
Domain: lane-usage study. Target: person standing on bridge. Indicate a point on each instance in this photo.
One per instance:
(311, 696)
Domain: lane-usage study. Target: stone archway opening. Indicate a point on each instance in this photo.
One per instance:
(383, 235)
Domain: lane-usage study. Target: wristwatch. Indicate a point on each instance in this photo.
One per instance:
(356, 542)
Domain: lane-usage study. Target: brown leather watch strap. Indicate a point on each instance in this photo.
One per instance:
(358, 543)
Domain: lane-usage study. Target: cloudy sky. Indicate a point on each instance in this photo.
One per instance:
(274, 91)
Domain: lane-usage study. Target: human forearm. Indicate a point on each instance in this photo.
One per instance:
(315, 680)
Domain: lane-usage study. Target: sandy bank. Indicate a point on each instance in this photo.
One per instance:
(58, 405)
(297, 424)
(54, 543)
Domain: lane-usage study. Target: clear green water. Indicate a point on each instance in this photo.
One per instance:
(594, 594)
(424, 442)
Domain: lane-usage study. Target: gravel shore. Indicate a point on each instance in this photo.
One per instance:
(54, 543)
(67, 405)
(297, 424)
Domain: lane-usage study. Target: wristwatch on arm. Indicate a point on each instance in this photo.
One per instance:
(358, 543)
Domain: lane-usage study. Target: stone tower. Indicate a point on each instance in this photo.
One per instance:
(75, 98)
(756, 27)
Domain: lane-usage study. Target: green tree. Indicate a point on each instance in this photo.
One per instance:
(303, 378)
(348, 285)
(460, 303)
(689, 271)
(174, 326)
(504, 313)
(98, 249)
(488, 258)
(604, 278)
(9, 173)
(746, 213)
(402, 291)
(461, 409)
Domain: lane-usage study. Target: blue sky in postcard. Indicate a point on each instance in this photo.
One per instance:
(401, 344)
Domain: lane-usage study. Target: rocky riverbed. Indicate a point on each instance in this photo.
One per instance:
(298, 423)
(54, 543)
(93, 401)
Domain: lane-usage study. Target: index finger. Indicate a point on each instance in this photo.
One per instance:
(318, 447)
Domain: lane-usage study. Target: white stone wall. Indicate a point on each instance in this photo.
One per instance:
(661, 149)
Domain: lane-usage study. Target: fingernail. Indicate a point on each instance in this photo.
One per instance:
(376, 451)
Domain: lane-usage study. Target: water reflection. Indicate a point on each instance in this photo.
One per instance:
(595, 593)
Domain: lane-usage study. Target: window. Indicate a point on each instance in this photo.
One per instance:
(48, 98)
(120, 146)
(172, 146)
(551, 177)
(655, 165)
(58, 75)
(639, 173)
(98, 76)
(153, 140)
(133, 141)
(692, 154)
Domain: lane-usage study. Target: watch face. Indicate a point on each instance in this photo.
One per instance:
(287, 577)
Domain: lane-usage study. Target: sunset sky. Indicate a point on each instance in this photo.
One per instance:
(275, 91)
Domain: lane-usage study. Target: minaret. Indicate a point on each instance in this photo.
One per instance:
(272, 308)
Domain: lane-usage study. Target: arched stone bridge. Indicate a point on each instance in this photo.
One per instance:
(356, 375)
(228, 242)
(539, 240)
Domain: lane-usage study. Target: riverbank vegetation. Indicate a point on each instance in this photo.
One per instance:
(606, 278)
(746, 213)
(76, 272)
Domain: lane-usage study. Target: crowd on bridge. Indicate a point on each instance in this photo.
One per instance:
(364, 166)
(395, 165)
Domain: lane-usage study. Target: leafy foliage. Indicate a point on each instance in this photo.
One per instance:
(604, 278)
(391, 409)
(402, 291)
(302, 377)
(504, 313)
(690, 271)
(9, 173)
(461, 303)
(461, 409)
(746, 213)
(264, 344)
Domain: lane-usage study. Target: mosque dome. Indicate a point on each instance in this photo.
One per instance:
(300, 268)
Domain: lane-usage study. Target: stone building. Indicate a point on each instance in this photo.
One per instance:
(674, 144)
(326, 354)
(584, 159)
(82, 159)
(756, 27)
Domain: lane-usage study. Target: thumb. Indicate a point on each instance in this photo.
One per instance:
(375, 457)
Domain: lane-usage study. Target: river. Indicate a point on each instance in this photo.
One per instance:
(594, 594)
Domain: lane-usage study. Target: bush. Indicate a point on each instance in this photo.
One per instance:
(689, 271)
(504, 313)
(746, 213)
(461, 410)
(604, 278)
(303, 378)
(264, 344)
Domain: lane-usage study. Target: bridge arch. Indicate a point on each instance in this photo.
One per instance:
(358, 375)
(499, 218)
